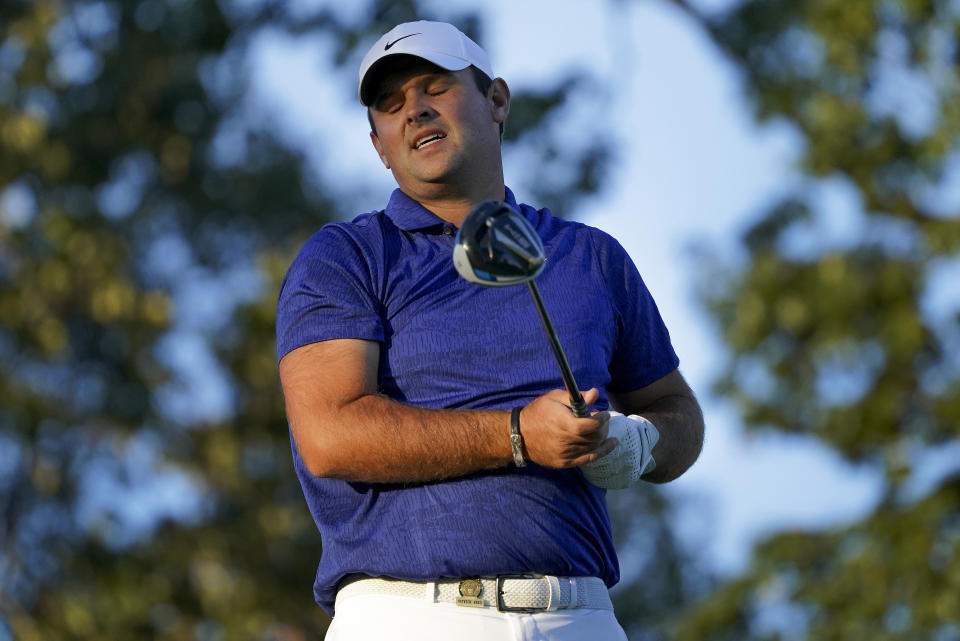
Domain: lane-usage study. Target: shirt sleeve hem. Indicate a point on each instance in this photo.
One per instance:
(352, 333)
(640, 383)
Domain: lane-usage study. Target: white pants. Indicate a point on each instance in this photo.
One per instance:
(374, 617)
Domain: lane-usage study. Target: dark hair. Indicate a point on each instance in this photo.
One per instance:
(482, 80)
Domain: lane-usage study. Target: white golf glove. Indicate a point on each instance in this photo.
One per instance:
(632, 457)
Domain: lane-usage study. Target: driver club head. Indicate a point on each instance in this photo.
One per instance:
(497, 246)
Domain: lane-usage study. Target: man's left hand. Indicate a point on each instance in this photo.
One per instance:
(632, 458)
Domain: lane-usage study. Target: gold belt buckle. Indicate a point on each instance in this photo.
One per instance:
(470, 591)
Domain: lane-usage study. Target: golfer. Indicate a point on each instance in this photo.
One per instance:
(456, 494)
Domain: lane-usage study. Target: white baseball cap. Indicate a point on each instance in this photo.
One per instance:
(442, 44)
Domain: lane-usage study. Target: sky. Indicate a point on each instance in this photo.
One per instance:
(692, 168)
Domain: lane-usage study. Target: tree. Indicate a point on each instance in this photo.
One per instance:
(148, 213)
(836, 337)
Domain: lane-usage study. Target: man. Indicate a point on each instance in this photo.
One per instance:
(404, 384)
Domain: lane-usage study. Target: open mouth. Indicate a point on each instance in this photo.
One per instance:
(429, 140)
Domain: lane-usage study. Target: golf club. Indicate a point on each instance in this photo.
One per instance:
(496, 246)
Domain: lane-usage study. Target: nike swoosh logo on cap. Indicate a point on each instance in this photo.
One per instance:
(390, 44)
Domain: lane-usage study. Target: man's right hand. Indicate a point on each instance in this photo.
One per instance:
(554, 437)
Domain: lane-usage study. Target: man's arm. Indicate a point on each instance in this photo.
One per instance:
(344, 429)
(671, 406)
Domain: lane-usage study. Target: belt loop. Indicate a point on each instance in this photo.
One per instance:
(553, 599)
(430, 591)
(573, 592)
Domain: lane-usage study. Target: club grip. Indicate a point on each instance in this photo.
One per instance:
(578, 406)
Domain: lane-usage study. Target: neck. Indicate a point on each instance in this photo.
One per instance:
(448, 203)
(455, 210)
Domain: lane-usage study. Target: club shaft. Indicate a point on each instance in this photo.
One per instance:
(576, 398)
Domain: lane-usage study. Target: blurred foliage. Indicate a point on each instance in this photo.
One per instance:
(839, 336)
(659, 576)
(148, 210)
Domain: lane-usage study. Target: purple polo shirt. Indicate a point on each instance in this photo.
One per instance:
(388, 276)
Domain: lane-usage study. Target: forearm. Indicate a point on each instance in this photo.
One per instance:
(375, 439)
(344, 430)
(680, 423)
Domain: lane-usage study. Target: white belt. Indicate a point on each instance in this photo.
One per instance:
(507, 593)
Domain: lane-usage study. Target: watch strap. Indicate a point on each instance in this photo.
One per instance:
(516, 440)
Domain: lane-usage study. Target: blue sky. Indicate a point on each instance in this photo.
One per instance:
(692, 167)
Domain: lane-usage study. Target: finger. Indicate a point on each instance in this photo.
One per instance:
(602, 450)
(602, 416)
(604, 427)
(608, 446)
(591, 395)
(595, 426)
(559, 394)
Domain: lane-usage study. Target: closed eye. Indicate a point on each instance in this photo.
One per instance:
(438, 86)
(388, 105)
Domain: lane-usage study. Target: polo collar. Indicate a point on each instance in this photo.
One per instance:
(409, 215)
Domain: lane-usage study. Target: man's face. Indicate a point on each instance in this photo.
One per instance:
(435, 130)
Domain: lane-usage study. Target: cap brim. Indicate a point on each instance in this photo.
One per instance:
(367, 85)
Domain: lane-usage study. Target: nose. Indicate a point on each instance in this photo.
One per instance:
(418, 107)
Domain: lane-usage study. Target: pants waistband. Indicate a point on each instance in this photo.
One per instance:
(507, 593)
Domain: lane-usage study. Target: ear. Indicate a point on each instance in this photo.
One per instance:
(499, 97)
(379, 147)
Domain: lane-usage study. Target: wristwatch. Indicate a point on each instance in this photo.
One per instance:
(516, 441)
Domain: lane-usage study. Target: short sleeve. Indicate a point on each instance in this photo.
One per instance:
(329, 291)
(643, 352)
